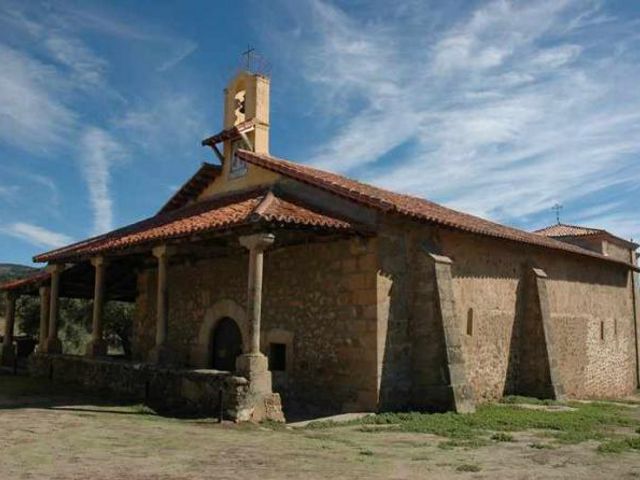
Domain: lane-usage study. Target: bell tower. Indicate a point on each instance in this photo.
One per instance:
(246, 118)
(245, 127)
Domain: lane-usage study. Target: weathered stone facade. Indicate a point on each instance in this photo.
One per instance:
(362, 323)
(321, 296)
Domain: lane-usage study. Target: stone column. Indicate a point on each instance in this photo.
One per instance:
(8, 351)
(97, 347)
(45, 296)
(253, 364)
(53, 342)
(160, 353)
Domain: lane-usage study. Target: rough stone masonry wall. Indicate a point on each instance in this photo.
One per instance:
(174, 390)
(323, 295)
(585, 296)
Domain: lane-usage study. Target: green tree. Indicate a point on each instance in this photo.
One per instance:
(74, 322)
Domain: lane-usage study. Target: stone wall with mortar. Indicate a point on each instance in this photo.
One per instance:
(165, 389)
(585, 295)
(321, 296)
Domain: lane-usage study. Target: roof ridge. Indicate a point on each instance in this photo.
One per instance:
(264, 205)
(410, 206)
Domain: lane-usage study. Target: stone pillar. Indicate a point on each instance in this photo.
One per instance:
(53, 342)
(161, 353)
(45, 298)
(97, 347)
(254, 364)
(8, 355)
(460, 392)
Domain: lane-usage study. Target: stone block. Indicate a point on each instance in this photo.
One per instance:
(255, 368)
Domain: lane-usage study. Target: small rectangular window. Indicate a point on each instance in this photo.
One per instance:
(277, 357)
(470, 322)
(601, 330)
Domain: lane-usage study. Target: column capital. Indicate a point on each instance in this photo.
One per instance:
(163, 251)
(99, 261)
(257, 241)
(55, 267)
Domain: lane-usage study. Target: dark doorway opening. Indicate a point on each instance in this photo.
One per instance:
(226, 345)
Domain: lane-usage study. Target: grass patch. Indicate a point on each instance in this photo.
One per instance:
(619, 446)
(587, 421)
(468, 467)
(502, 437)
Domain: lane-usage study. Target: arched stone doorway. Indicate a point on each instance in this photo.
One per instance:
(201, 351)
(226, 344)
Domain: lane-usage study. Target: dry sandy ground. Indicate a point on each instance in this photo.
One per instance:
(56, 439)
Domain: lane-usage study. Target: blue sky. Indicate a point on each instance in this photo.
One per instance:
(498, 108)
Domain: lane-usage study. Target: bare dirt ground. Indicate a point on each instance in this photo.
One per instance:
(50, 434)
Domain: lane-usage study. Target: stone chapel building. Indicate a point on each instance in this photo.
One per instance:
(287, 282)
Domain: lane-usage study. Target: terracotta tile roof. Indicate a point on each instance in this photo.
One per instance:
(218, 213)
(406, 205)
(230, 133)
(564, 230)
(193, 187)
(34, 280)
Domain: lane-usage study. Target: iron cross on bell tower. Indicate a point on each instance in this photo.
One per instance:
(248, 54)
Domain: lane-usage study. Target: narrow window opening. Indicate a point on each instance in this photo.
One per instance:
(277, 357)
(601, 330)
(470, 322)
(615, 327)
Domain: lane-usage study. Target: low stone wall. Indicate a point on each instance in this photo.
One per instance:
(171, 390)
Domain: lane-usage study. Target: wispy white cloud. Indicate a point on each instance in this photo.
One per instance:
(501, 113)
(31, 115)
(98, 152)
(186, 49)
(170, 116)
(87, 68)
(36, 235)
(8, 192)
(53, 75)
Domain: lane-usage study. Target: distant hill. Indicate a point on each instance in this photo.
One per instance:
(9, 271)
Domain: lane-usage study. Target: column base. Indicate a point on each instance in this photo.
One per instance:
(7, 355)
(96, 348)
(53, 345)
(161, 355)
(255, 368)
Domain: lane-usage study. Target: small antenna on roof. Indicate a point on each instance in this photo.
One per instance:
(557, 208)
